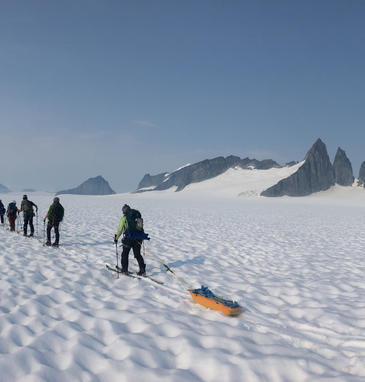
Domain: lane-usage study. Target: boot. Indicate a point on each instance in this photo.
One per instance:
(121, 270)
(142, 272)
(48, 243)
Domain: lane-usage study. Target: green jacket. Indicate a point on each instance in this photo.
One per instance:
(123, 226)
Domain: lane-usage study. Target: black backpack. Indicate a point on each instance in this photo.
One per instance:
(12, 210)
(58, 212)
(27, 207)
(135, 221)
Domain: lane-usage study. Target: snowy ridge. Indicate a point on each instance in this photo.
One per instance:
(295, 265)
(237, 182)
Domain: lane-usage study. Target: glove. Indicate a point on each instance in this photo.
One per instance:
(115, 239)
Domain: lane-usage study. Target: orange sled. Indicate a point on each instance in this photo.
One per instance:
(205, 297)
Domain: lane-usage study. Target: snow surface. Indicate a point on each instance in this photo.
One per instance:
(296, 265)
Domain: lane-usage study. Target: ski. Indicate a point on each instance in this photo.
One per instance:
(133, 275)
(50, 246)
(114, 269)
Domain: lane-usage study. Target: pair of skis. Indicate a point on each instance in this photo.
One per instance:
(113, 268)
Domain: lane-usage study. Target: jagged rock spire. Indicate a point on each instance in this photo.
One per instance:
(316, 174)
(361, 181)
(343, 169)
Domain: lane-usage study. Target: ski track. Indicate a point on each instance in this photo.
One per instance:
(296, 268)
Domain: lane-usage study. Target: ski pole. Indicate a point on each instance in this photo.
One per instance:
(17, 223)
(21, 223)
(37, 223)
(143, 249)
(116, 249)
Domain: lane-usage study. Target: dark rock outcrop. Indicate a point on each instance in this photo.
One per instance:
(152, 180)
(3, 189)
(343, 170)
(265, 164)
(316, 174)
(206, 169)
(361, 181)
(197, 172)
(292, 163)
(92, 186)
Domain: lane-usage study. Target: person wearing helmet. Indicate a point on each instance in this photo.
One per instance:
(12, 212)
(54, 216)
(27, 208)
(130, 225)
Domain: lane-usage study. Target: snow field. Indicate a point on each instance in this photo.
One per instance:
(295, 265)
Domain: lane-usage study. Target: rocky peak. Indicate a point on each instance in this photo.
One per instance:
(316, 174)
(361, 181)
(343, 169)
(92, 186)
(152, 180)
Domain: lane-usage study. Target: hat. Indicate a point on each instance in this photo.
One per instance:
(125, 208)
(56, 199)
(25, 197)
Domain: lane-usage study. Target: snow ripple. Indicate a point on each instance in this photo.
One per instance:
(297, 268)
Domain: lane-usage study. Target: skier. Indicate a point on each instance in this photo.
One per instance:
(55, 216)
(131, 225)
(11, 213)
(28, 213)
(2, 212)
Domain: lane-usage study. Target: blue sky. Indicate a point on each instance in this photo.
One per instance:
(122, 88)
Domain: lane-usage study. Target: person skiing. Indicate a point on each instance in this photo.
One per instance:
(131, 226)
(27, 208)
(55, 216)
(2, 212)
(11, 213)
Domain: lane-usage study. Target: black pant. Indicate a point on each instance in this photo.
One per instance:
(28, 219)
(136, 246)
(2, 219)
(55, 225)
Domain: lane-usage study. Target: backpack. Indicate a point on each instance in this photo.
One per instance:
(135, 221)
(56, 214)
(12, 210)
(27, 207)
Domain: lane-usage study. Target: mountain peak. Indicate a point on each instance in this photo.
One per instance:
(316, 174)
(343, 169)
(92, 186)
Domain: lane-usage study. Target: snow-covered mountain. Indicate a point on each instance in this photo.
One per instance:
(237, 181)
(4, 189)
(92, 186)
(232, 174)
(199, 172)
